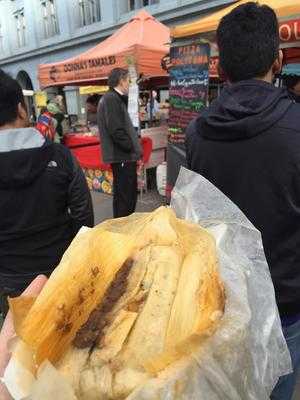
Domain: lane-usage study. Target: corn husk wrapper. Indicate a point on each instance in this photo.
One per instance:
(185, 301)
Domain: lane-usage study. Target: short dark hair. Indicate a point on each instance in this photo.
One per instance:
(11, 95)
(248, 40)
(116, 75)
(93, 99)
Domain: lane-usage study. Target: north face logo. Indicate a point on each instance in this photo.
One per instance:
(52, 164)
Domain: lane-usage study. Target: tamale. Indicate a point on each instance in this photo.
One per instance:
(168, 300)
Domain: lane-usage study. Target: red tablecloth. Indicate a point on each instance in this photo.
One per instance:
(91, 157)
(87, 150)
(76, 139)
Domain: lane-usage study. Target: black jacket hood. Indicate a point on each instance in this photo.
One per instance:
(24, 156)
(245, 109)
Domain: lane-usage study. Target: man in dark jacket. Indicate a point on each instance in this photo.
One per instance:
(119, 142)
(44, 199)
(247, 143)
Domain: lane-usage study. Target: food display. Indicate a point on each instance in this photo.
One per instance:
(130, 299)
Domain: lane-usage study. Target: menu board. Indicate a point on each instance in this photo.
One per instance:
(189, 76)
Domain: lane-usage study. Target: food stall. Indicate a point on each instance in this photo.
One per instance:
(139, 47)
(288, 12)
(189, 42)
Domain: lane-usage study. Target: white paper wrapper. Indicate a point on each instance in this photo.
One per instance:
(247, 354)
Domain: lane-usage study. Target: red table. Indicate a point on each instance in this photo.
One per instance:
(73, 140)
(87, 150)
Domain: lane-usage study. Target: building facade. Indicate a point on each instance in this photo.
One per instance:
(43, 31)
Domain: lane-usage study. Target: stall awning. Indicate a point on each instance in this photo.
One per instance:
(283, 8)
(142, 41)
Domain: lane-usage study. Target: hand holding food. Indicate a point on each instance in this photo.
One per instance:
(129, 299)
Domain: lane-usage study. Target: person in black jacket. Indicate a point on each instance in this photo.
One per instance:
(247, 143)
(91, 109)
(44, 198)
(119, 142)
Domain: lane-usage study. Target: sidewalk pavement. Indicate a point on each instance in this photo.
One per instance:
(103, 204)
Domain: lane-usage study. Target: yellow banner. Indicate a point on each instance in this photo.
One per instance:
(41, 99)
(93, 89)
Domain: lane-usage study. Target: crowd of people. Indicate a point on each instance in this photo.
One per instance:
(246, 143)
(44, 195)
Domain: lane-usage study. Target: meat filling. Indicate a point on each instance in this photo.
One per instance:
(93, 330)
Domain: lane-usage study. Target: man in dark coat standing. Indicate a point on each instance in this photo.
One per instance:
(119, 142)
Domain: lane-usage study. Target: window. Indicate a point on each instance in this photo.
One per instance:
(146, 3)
(49, 15)
(20, 27)
(90, 12)
(135, 4)
(131, 5)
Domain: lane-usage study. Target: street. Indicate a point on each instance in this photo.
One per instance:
(103, 204)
